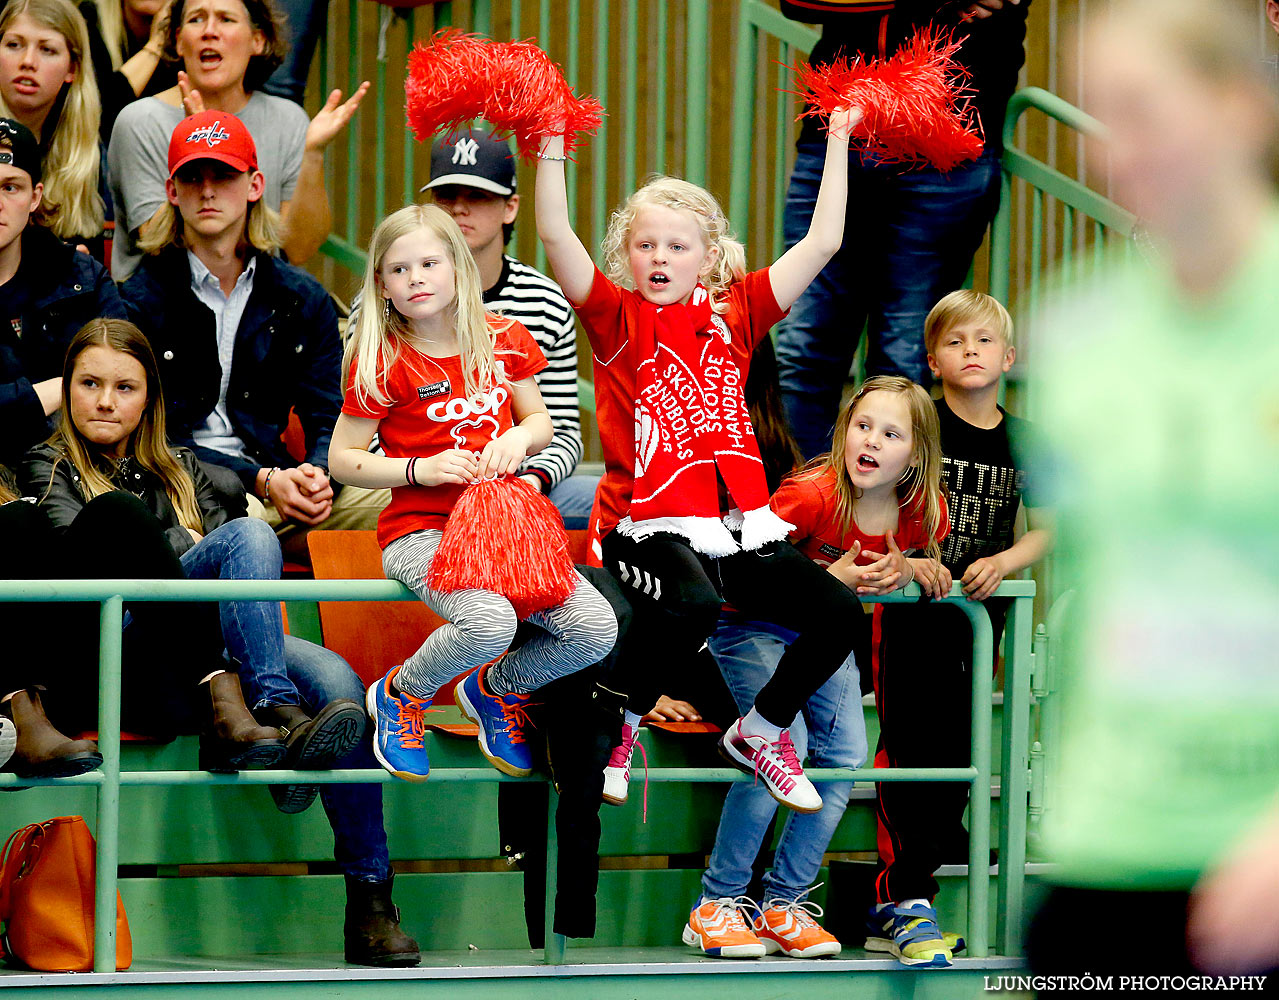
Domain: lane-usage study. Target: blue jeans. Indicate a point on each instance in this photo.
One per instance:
(573, 496)
(253, 631)
(306, 21)
(354, 811)
(831, 732)
(909, 239)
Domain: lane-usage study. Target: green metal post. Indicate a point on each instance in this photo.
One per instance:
(599, 148)
(352, 132)
(1001, 239)
(410, 144)
(443, 15)
(111, 626)
(481, 17)
(385, 15)
(979, 799)
(574, 45)
(630, 93)
(779, 153)
(555, 944)
(695, 105)
(660, 95)
(1014, 776)
(516, 18)
(739, 188)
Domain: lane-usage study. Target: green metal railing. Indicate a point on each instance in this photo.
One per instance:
(1085, 214)
(109, 779)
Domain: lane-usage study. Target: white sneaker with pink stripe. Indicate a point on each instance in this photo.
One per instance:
(617, 775)
(776, 763)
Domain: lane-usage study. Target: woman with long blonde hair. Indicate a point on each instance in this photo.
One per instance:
(48, 84)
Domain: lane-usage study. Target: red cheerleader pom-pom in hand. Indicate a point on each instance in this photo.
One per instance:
(914, 104)
(448, 82)
(531, 99)
(514, 86)
(504, 536)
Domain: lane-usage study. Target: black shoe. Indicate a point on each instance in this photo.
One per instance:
(312, 744)
(371, 932)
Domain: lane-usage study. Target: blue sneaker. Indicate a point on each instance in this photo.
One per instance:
(397, 744)
(910, 933)
(501, 721)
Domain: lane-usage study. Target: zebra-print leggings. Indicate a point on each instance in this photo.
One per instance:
(479, 625)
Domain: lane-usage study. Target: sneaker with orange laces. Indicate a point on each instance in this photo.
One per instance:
(791, 927)
(721, 928)
(501, 718)
(617, 774)
(397, 743)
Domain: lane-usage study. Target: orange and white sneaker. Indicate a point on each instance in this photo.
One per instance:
(721, 928)
(791, 927)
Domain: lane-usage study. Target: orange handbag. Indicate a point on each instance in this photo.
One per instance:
(46, 898)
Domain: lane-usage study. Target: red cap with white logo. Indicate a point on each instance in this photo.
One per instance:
(212, 135)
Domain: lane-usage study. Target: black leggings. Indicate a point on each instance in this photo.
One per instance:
(168, 648)
(676, 595)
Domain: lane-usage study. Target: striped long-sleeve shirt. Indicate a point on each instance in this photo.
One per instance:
(525, 294)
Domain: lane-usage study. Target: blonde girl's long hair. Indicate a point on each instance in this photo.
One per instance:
(921, 487)
(71, 205)
(381, 331)
(149, 446)
(672, 192)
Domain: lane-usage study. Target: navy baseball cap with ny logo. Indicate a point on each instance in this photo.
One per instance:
(473, 158)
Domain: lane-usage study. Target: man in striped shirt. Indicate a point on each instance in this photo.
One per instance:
(473, 179)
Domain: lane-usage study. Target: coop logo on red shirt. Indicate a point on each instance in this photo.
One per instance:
(461, 406)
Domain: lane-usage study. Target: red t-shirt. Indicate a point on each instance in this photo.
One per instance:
(610, 315)
(808, 501)
(429, 413)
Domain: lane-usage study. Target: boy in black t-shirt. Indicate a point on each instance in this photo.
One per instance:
(922, 680)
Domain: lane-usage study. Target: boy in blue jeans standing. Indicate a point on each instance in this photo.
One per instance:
(922, 663)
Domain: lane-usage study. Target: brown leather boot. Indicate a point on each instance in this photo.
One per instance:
(372, 932)
(312, 744)
(42, 751)
(235, 741)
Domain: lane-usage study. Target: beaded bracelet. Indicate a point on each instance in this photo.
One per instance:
(549, 156)
(266, 486)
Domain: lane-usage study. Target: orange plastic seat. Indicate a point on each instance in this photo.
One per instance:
(372, 636)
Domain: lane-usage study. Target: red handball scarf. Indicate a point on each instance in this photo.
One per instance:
(691, 421)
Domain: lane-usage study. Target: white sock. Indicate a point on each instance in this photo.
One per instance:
(754, 724)
(632, 720)
(914, 902)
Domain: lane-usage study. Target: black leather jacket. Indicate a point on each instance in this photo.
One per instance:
(51, 478)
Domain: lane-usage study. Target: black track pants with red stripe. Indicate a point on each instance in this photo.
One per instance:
(923, 693)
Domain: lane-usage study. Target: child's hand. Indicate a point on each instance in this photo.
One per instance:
(842, 123)
(452, 466)
(982, 577)
(933, 578)
(887, 572)
(845, 568)
(503, 454)
(672, 710)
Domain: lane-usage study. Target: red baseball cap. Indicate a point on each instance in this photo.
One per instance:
(212, 135)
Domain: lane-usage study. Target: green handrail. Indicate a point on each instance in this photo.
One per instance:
(111, 594)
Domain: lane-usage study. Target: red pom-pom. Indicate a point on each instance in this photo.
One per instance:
(514, 86)
(504, 536)
(914, 104)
